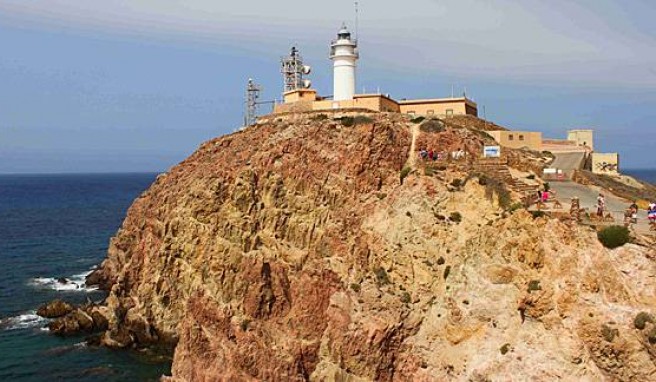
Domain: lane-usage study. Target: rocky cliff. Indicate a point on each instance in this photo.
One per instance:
(309, 248)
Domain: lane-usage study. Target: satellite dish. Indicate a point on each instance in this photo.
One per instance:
(307, 84)
(307, 69)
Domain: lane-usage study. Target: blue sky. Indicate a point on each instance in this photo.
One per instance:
(137, 85)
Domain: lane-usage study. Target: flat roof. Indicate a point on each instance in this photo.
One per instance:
(436, 100)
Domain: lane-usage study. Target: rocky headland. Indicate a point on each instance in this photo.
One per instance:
(312, 248)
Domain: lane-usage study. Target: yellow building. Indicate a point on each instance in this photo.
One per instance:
(518, 139)
(582, 137)
(305, 100)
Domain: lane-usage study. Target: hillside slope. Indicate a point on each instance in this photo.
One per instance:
(295, 250)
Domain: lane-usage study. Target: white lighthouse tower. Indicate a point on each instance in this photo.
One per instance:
(344, 53)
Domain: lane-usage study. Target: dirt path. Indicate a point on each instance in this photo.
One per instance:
(412, 155)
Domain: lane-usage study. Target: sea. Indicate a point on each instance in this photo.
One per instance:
(59, 226)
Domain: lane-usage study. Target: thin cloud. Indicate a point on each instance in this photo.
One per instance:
(598, 43)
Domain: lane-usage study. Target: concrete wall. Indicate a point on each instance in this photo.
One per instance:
(582, 137)
(307, 100)
(439, 107)
(300, 95)
(518, 139)
(605, 163)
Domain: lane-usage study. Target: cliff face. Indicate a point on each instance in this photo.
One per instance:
(291, 251)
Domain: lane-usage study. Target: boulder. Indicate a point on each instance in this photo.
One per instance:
(55, 309)
(74, 322)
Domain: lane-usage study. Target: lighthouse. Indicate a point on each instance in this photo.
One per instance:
(344, 54)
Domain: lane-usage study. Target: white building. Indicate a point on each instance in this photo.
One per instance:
(344, 54)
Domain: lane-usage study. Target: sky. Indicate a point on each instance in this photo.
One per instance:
(138, 85)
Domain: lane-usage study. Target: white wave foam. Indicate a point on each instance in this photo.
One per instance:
(74, 283)
(23, 321)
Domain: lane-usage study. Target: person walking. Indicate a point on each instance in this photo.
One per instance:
(601, 205)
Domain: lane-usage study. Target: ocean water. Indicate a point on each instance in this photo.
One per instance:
(54, 226)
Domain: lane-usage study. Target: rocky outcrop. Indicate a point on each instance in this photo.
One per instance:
(291, 250)
(54, 309)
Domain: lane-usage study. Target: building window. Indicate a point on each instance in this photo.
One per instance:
(510, 137)
(521, 137)
(449, 112)
(430, 112)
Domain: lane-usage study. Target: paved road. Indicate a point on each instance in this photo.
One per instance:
(568, 162)
(587, 195)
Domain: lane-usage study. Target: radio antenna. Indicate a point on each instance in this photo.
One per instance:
(357, 20)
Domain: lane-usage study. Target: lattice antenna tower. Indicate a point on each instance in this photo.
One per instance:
(252, 96)
(293, 71)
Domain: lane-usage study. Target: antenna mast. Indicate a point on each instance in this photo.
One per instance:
(252, 95)
(357, 20)
(293, 70)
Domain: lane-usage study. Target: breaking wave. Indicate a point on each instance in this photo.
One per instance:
(23, 321)
(74, 283)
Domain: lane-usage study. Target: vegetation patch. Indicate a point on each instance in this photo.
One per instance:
(432, 126)
(405, 297)
(538, 214)
(319, 117)
(447, 271)
(609, 333)
(641, 320)
(455, 217)
(244, 324)
(505, 348)
(404, 173)
(417, 119)
(429, 171)
(355, 287)
(362, 120)
(381, 276)
(614, 236)
(534, 285)
(441, 261)
(456, 183)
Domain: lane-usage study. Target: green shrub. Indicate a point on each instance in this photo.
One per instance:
(641, 320)
(347, 121)
(455, 217)
(362, 120)
(244, 325)
(546, 186)
(534, 285)
(432, 126)
(651, 336)
(355, 287)
(456, 183)
(609, 333)
(404, 173)
(381, 276)
(417, 119)
(614, 236)
(538, 214)
(515, 206)
(482, 180)
(505, 349)
(405, 297)
(319, 117)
